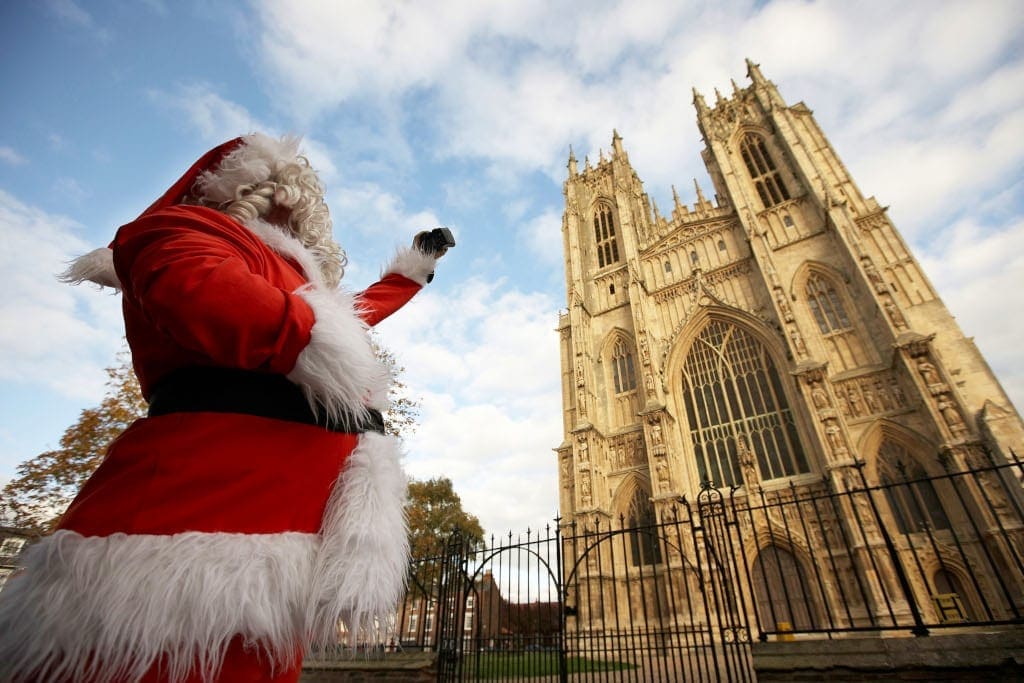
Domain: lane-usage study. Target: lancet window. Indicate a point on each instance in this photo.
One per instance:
(912, 497)
(737, 409)
(825, 305)
(604, 237)
(623, 369)
(767, 180)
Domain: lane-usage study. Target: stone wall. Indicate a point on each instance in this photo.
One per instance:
(994, 656)
(415, 667)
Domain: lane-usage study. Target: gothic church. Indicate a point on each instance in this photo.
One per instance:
(779, 335)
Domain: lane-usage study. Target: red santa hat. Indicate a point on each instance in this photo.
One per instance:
(244, 160)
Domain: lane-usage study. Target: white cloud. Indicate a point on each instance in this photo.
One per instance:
(979, 273)
(484, 359)
(8, 155)
(543, 234)
(51, 334)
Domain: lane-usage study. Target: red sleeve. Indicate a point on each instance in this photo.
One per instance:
(384, 297)
(212, 288)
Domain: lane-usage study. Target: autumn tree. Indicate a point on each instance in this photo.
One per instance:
(435, 513)
(45, 485)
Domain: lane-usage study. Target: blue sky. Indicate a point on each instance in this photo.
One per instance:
(462, 113)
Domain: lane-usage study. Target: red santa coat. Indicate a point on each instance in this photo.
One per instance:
(203, 528)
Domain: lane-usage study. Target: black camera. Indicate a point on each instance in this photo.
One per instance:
(436, 240)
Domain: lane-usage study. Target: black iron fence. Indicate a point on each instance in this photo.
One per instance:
(680, 594)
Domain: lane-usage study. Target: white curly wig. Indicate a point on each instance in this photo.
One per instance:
(268, 178)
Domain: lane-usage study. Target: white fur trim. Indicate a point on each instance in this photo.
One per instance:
(257, 159)
(288, 246)
(338, 370)
(97, 266)
(365, 553)
(103, 608)
(412, 263)
(108, 607)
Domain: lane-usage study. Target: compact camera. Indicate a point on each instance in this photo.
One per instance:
(436, 240)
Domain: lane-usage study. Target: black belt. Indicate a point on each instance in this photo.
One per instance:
(227, 390)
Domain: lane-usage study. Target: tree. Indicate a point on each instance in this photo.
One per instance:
(435, 513)
(45, 485)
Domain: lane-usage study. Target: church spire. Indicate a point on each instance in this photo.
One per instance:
(572, 163)
(754, 73)
(616, 143)
(699, 103)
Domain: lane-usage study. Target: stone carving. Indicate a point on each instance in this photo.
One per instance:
(894, 314)
(872, 395)
(579, 372)
(581, 402)
(567, 471)
(834, 435)
(584, 450)
(874, 277)
(645, 353)
(585, 488)
(784, 309)
(649, 383)
(655, 431)
(951, 414)
(819, 396)
(798, 342)
(931, 377)
(661, 470)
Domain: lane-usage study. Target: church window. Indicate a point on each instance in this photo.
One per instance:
(762, 171)
(668, 267)
(643, 530)
(611, 289)
(912, 497)
(604, 236)
(825, 304)
(623, 371)
(736, 406)
(693, 257)
(787, 220)
(721, 245)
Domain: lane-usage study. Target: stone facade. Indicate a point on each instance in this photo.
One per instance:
(778, 335)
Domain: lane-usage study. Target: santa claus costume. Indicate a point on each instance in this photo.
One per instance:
(259, 504)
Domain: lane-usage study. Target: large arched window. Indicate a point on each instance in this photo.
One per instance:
(604, 237)
(623, 370)
(736, 406)
(912, 497)
(641, 526)
(762, 171)
(825, 305)
(781, 591)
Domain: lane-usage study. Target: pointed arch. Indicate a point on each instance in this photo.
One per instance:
(634, 507)
(900, 462)
(735, 403)
(762, 169)
(619, 357)
(606, 240)
(836, 318)
(782, 593)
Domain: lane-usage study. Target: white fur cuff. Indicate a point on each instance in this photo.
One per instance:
(413, 264)
(97, 266)
(338, 370)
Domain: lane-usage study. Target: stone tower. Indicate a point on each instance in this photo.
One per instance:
(779, 334)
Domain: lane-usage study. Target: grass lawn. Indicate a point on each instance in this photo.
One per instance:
(542, 663)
